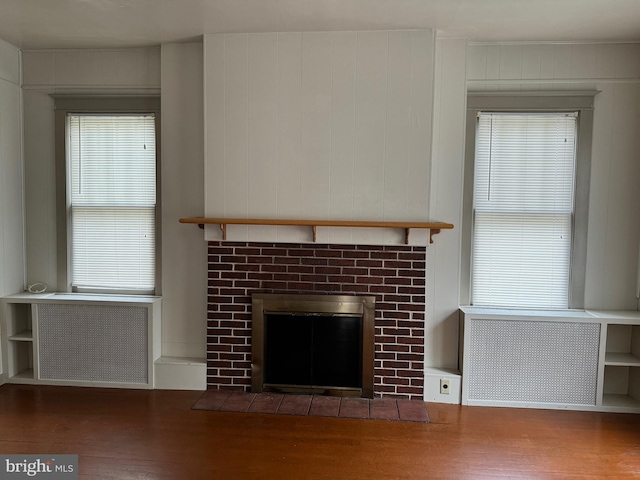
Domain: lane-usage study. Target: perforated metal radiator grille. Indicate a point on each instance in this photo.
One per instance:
(102, 343)
(533, 362)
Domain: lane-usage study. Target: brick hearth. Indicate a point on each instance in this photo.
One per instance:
(394, 274)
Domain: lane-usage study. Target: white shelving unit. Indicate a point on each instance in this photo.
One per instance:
(82, 340)
(19, 349)
(573, 359)
(620, 376)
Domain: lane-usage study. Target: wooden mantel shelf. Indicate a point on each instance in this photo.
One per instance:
(434, 227)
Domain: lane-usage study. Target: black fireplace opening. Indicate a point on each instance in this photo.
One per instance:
(314, 350)
(314, 344)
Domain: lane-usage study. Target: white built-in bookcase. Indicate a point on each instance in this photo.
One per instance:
(82, 340)
(575, 360)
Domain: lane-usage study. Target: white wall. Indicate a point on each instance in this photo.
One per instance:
(443, 256)
(614, 69)
(11, 173)
(128, 71)
(614, 229)
(318, 125)
(91, 70)
(614, 223)
(66, 71)
(184, 251)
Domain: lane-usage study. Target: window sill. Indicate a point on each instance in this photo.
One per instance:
(62, 297)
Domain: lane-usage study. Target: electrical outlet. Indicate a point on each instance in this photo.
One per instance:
(445, 385)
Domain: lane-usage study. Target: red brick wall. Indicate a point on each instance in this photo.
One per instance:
(394, 274)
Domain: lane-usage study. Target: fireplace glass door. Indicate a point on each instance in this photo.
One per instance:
(322, 351)
(318, 344)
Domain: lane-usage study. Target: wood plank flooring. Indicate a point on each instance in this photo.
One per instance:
(135, 434)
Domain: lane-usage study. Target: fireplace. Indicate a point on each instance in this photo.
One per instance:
(393, 274)
(316, 344)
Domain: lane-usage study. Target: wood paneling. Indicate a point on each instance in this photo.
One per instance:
(130, 71)
(614, 70)
(134, 67)
(9, 63)
(40, 188)
(552, 62)
(443, 257)
(343, 125)
(315, 126)
(288, 199)
(11, 168)
(155, 434)
(318, 125)
(184, 290)
(262, 112)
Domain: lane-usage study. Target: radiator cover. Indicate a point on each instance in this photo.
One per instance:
(531, 362)
(94, 343)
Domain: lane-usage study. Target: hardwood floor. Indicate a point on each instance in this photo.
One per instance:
(134, 434)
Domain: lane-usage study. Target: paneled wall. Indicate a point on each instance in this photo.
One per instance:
(128, 71)
(530, 66)
(133, 68)
(443, 257)
(184, 270)
(261, 118)
(11, 177)
(66, 71)
(614, 70)
(318, 125)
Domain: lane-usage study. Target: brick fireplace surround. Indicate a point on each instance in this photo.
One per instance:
(394, 274)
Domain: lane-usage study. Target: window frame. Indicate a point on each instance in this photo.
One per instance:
(115, 105)
(534, 102)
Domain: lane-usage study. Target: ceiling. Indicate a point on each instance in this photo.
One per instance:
(38, 24)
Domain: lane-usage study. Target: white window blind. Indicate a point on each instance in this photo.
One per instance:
(112, 192)
(523, 209)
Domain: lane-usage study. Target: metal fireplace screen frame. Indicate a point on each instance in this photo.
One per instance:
(320, 306)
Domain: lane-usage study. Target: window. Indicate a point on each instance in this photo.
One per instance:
(111, 161)
(526, 202)
(110, 207)
(523, 209)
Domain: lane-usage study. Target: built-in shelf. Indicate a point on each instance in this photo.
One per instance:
(75, 339)
(26, 336)
(600, 359)
(24, 375)
(433, 227)
(619, 401)
(181, 361)
(621, 372)
(621, 359)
